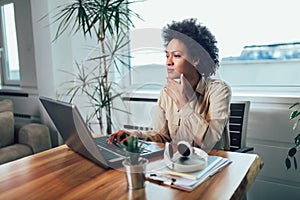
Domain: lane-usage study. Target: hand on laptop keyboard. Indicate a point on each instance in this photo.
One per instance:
(120, 136)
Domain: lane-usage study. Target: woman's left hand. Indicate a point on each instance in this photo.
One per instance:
(181, 92)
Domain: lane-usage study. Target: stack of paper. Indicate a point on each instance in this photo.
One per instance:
(188, 180)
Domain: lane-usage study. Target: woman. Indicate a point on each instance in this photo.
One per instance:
(192, 106)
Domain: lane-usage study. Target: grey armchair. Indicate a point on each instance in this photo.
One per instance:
(18, 143)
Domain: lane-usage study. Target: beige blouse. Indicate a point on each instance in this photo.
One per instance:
(203, 122)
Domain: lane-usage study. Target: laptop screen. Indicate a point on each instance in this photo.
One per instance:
(73, 130)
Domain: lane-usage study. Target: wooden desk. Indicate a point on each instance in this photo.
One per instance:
(60, 173)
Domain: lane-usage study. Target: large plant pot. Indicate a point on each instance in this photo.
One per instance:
(136, 174)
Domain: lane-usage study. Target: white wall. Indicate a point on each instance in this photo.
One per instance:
(271, 86)
(269, 132)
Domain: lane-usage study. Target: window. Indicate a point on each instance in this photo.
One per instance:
(9, 46)
(237, 26)
(274, 65)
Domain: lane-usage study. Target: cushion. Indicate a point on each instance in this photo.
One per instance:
(37, 136)
(6, 129)
(14, 152)
(6, 105)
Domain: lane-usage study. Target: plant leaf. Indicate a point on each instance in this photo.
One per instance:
(295, 104)
(287, 163)
(296, 124)
(292, 151)
(295, 163)
(88, 15)
(297, 140)
(294, 114)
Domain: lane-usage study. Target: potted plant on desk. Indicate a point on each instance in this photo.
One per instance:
(135, 165)
(295, 115)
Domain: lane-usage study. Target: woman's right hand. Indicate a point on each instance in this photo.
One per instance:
(181, 93)
(118, 137)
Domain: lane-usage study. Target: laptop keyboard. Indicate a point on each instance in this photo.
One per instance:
(113, 151)
(110, 151)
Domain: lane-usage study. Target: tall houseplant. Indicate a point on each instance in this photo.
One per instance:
(291, 157)
(107, 21)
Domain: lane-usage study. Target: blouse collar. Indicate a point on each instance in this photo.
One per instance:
(201, 86)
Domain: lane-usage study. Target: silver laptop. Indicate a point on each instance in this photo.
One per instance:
(69, 123)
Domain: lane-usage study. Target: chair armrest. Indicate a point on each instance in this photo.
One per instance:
(37, 136)
(245, 149)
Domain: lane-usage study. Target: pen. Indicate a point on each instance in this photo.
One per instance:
(162, 179)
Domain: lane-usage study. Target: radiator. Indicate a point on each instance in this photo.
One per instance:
(26, 106)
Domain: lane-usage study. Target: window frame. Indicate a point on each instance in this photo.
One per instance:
(5, 80)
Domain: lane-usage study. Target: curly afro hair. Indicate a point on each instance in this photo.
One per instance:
(188, 31)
